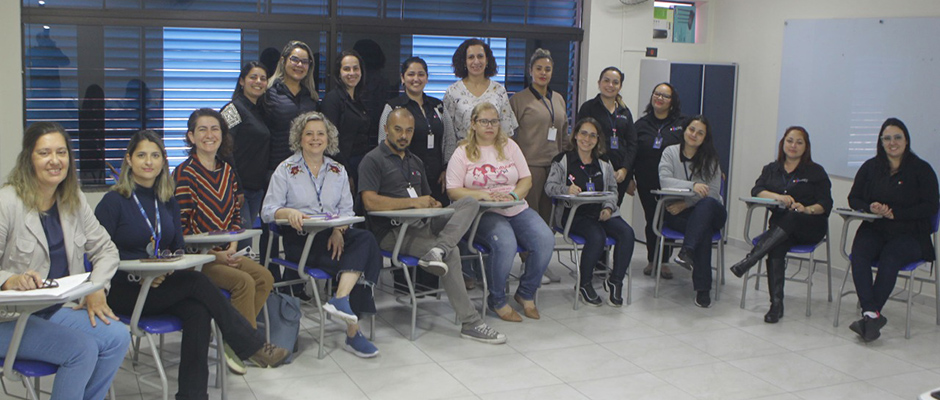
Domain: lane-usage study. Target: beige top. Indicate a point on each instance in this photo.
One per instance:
(535, 119)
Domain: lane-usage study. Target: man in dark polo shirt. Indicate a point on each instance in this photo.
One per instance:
(392, 178)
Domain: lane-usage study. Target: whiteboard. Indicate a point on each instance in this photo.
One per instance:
(841, 78)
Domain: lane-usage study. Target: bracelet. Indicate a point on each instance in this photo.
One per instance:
(514, 195)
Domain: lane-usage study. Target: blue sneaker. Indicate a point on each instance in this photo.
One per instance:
(339, 308)
(360, 346)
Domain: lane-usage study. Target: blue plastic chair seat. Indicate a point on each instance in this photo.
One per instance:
(32, 369)
(317, 273)
(676, 235)
(407, 260)
(156, 324)
(226, 293)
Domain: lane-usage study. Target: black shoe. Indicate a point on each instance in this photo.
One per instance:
(858, 327)
(589, 296)
(616, 293)
(683, 258)
(873, 327)
(775, 313)
(768, 241)
(776, 277)
(702, 299)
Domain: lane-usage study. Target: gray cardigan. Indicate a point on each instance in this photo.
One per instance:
(556, 185)
(672, 175)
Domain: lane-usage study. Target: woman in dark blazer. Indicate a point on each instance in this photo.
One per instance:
(902, 189)
(803, 189)
(344, 108)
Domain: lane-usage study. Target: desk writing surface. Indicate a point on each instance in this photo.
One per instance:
(413, 213)
(761, 200)
(324, 223)
(501, 204)
(220, 238)
(186, 261)
(673, 192)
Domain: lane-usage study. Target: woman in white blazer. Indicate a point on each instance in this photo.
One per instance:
(46, 229)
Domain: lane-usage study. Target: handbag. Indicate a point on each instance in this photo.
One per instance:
(284, 316)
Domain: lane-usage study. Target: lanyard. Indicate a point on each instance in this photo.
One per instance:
(788, 180)
(590, 178)
(687, 177)
(154, 234)
(551, 110)
(317, 188)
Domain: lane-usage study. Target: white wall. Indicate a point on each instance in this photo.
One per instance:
(747, 32)
(11, 92)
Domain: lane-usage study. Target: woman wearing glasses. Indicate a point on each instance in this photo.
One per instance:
(616, 126)
(660, 127)
(902, 189)
(582, 169)
(143, 217)
(344, 108)
(474, 64)
(291, 91)
(488, 166)
(310, 183)
(543, 125)
(693, 165)
(46, 227)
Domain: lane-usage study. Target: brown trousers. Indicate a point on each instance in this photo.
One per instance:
(249, 283)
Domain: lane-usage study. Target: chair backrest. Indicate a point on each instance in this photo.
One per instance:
(88, 265)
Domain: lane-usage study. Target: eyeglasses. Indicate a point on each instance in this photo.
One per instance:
(590, 135)
(895, 138)
(166, 253)
(662, 95)
(49, 284)
(299, 61)
(488, 122)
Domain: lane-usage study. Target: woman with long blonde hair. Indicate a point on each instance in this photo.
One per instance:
(488, 166)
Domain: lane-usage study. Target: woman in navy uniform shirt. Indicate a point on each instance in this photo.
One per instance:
(615, 123)
(902, 189)
(662, 126)
(428, 141)
(291, 91)
(803, 188)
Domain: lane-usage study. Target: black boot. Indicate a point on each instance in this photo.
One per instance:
(776, 268)
(767, 242)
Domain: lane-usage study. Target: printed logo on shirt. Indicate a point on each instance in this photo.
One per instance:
(488, 175)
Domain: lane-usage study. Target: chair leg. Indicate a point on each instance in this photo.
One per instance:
(829, 269)
(936, 287)
(486, 290)
(809, 283)
(316, 297)
(577, 283)
(747, 275)
(157, 360)
(835, 320)
(658, 264)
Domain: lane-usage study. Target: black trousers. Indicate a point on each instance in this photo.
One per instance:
(191, 297)
(699, 224)
(595, 234)
(891, 252)
(360, 254)
(801, 229)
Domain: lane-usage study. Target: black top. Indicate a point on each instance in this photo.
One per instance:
(648, 129)
(427, 122)
(582, 174)
(808, 184)
(121, 217)
(252, 143)
(389, 175)
(280, 109)
(52, 227)
(621, 120)
(911, 193)
(352, 121)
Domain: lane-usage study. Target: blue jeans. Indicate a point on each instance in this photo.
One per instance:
(87, 357)
(502, 235)
(595, 235)
(250, 211)
(699, 223)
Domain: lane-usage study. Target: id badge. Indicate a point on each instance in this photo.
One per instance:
(430, 141)
(412, 192)
(590, 186)
(552, 132)
(658, 143)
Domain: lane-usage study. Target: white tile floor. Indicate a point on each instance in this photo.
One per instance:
(663, 348)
